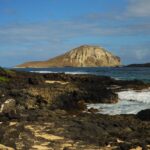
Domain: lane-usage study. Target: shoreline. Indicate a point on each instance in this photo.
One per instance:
(50, 115)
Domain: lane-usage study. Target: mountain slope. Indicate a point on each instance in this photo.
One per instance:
(83, 56)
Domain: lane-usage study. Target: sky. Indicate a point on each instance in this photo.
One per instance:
(42, 29)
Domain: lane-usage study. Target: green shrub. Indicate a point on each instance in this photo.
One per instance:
(3, 79)
(6, 71)
(9, 71)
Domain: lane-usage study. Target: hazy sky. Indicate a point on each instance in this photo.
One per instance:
(41, 29)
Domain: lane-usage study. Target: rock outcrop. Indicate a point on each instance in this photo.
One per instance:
(144, 115)
(83, 56)
(47, 111)
(139, 65)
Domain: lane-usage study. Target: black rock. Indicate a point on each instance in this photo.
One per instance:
(144, 115)
(36, 80)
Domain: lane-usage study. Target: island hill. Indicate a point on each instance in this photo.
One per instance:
(139, 65)
(83, 56)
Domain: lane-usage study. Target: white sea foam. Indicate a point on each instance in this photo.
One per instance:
(140, 96)
(69, 72)
(76, 73)
(131, 102)
(43, 71)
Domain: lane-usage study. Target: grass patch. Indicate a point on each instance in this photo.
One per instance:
(7, 71)
(3, 79)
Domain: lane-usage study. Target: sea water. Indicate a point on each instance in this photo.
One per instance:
(130, 102)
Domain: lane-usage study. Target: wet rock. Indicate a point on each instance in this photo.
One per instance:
(93, 110)
(36, 80)
(144, 115)
(133, 84)
(124, 146)
(81, 105)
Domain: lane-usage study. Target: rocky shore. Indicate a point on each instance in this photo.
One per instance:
(48, 112)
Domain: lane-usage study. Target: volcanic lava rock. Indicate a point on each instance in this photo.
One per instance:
(144, 115)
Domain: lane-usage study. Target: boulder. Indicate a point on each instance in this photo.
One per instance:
(144, 115)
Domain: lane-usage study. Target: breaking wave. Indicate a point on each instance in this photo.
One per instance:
(131, 102)
(68, 72)
(140, 96)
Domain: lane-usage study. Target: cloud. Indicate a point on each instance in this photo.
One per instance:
(107, 16)
(135, 52)
(61, 31)
(35, 41)
(138, 8)
(141, 54)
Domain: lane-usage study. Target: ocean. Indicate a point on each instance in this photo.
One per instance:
(130, 102)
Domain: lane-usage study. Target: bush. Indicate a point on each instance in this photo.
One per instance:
(3, 79)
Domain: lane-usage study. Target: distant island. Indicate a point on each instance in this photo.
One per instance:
(139, 65)
(83, 56)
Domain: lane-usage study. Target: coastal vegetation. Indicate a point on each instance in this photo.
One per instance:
(3, 79)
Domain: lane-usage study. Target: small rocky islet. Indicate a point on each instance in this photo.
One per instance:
(82, 56)
(48, 111)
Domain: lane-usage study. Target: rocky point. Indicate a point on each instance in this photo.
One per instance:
(48, 111)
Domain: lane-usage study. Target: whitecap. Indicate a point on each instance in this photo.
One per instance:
(68, 72)
(43, 71)
(131, 95)
(131, 102)
(76, 73)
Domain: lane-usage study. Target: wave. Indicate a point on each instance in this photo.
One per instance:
(43, 71)
(131, 102)
(122, 107)
(140, 96)
(76, 72)
(69, 72)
